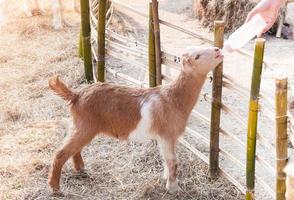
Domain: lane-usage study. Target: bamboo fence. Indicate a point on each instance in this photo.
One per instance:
(132, 50)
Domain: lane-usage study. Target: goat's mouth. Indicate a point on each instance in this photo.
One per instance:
(219, 55)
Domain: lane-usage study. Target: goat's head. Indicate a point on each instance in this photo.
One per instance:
(199, 60)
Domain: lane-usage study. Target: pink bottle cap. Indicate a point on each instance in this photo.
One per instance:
(228, 48)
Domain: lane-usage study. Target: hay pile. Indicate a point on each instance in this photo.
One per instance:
(233, 12)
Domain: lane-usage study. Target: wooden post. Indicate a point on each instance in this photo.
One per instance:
(86, 43)
(216, 103)
(281, 136)
(151, 50)
(157, 41)
(101, 41)
(252, 117)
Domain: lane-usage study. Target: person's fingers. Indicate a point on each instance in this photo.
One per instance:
(251, 14)
(265, 29)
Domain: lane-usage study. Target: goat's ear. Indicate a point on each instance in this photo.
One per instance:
(185, 54)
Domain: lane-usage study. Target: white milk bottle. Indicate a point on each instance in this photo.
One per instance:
(245, 33)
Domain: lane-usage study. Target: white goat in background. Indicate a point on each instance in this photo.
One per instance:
(30, 5)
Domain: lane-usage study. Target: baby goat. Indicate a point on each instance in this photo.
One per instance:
(137, 114)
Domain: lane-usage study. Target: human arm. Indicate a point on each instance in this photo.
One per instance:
(268, 10)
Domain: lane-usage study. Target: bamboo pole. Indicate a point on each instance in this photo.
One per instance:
(81, 45)
(216, 104)
(86, 43)
(252, 117)
(157, 41)
(151, 50)
(101, 41)
(281, 136)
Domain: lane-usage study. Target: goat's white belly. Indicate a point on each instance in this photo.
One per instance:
(142, 132)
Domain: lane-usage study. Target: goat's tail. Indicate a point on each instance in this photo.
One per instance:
(62, 90)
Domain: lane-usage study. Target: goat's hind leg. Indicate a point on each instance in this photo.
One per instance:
(72, 146)
(78, 162)
(167, 149)
(75, 6)
(39, 7)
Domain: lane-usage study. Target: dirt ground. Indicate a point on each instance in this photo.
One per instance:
(33, 121)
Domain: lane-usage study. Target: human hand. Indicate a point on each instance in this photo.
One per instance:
(268, 10)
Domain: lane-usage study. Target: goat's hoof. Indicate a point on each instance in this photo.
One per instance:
(56, 193)
(2, 25)
(57, 26)
(39, 12)
(82, 174)
(172, 187)
(165, 175)
(28, 13)
(66, 23)
(80, 170)
(77, 10)
(54, 186)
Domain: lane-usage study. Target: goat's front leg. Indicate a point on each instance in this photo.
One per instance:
(58, 17)
(3, 6)
(26, 7)
(167, 149)
(56, 12)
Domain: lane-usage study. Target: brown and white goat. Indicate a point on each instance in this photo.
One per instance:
(137, 114)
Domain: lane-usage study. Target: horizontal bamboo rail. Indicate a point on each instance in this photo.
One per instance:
(237, 140)
(115, 54)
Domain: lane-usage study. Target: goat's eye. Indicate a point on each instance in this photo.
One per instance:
(197, 57)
